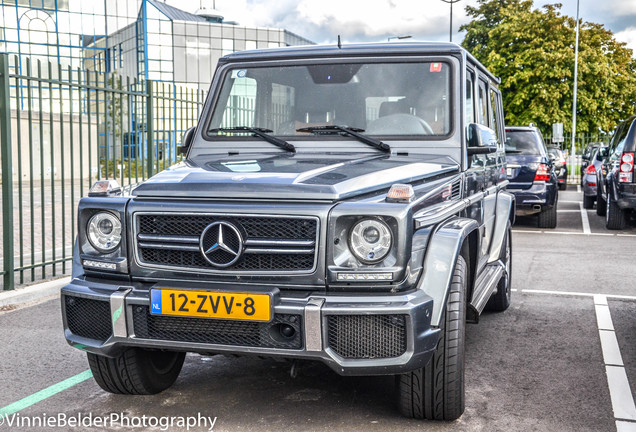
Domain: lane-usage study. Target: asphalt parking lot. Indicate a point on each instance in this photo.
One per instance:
(562, 358)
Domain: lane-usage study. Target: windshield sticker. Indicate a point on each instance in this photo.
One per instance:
(240, 73)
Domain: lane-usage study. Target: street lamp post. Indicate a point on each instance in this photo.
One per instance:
(399, 37)
(451, 16)
(574, 90)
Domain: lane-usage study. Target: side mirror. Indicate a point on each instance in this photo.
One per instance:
(186, 141)
(481, 140)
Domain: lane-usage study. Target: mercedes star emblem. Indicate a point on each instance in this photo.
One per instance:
(221, 244)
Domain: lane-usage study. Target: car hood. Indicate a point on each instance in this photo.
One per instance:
(292, 176)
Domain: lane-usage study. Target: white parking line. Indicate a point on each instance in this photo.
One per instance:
(603, 318)
(620, 391)
(567, 211)
(578, 188)
(611, 351)
(572, 233)
(622, 426)
(585, 220)
(598, 298)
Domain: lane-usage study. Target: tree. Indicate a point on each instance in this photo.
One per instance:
(532, 51)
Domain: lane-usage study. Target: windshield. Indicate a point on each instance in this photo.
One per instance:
(524, 143)
(375, 98)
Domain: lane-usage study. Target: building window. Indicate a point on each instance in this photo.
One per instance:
(227, 46)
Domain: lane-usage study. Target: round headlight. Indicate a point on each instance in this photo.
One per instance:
(104, 232)
(370, 240)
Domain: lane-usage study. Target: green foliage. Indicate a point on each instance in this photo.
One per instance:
(532, 51)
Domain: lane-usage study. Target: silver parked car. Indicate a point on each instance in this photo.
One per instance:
(589, 177)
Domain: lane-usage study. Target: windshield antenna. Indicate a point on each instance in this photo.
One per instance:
(339, 43)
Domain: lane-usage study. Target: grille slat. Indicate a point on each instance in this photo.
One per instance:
(282, 244)
(88, 318)
(216, 331)
(367, 336)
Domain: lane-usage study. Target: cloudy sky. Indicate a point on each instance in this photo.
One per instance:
(376, 20)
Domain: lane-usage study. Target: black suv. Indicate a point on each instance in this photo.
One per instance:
(531, 175)
(616, 188)
(339, 204)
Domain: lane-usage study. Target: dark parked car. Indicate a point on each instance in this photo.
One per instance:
(560, 165)
(357, 216)
(616, 188)
(531, 175)
(589, 179)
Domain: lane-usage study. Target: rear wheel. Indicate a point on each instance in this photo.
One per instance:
(615, 217)
(588, 201)
(436, 391)
(563, 186)
(500, 300)
(136, 371)
(548, 218)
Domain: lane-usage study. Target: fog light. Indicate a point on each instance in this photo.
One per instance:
(365, 277)
(100, 265)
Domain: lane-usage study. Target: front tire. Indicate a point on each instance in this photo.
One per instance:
(136, 371)
(436, 391)
(500, 300)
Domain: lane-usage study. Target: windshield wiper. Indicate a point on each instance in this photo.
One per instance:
(354, 132)
(259, 132)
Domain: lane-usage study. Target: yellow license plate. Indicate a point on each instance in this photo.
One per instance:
(210, 304)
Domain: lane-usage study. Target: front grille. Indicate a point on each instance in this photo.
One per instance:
(249, 262)
(270, 243)
(218, 332)
(367, 336)
(88, 318)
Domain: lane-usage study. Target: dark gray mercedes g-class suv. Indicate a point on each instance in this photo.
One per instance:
(340, 204)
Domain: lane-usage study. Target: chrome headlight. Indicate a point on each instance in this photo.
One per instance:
(370, 240)
(104, 232)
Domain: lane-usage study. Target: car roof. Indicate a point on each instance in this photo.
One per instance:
(354, 50)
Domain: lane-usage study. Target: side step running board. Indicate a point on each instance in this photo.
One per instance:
(485, 286)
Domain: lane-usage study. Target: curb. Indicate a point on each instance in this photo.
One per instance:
(33, 292)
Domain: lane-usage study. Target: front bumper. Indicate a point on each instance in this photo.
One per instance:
(539, 197)
(365, 334)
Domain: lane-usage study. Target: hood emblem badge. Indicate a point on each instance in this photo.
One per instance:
(221, 244)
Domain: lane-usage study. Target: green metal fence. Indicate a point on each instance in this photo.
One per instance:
(580, 141)
(61, 129)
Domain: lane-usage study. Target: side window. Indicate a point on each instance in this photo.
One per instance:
(496, 113)
(483, 104)
(618, 142)
(470, 99)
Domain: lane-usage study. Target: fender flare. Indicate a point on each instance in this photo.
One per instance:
(504, 213)
(444, 247)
